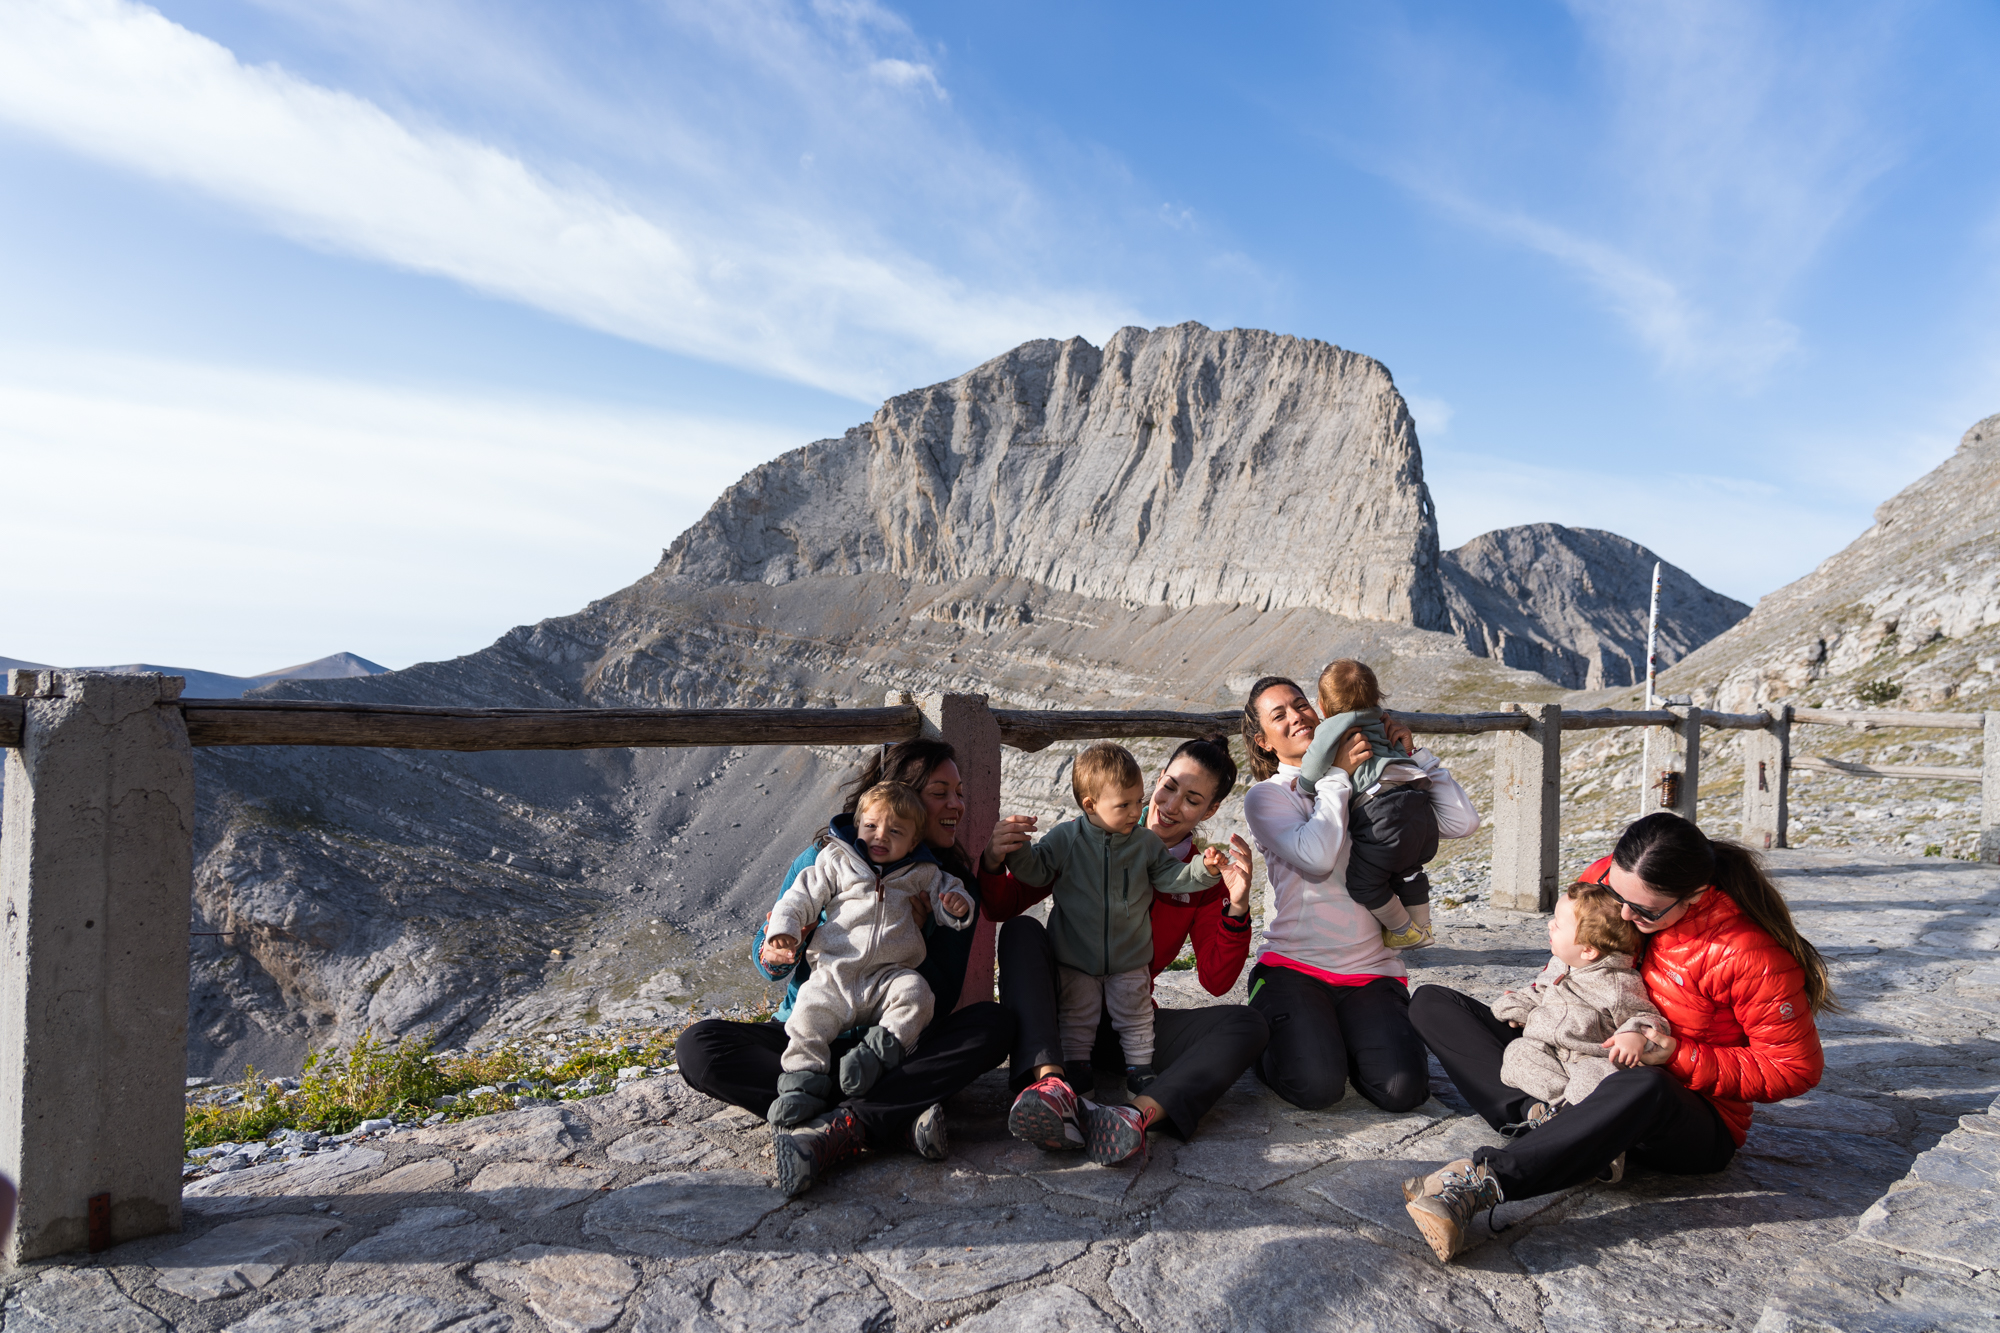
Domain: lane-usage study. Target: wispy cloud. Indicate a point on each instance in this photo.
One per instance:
(751, 276)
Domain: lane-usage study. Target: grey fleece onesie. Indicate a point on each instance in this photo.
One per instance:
(1567, 1014)
(865, 954)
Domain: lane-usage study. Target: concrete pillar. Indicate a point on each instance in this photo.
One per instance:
(1989, 793)
(1681, 757)
(1767, 761)
(96, 878)
(1527, 810)
(968, 725)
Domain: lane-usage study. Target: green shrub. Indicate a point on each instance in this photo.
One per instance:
(1875, 693)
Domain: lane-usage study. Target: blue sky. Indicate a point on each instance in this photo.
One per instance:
(348, 324)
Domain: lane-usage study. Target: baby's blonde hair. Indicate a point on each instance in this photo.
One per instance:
(899, 799)
(1103, 765)
(1348, 686)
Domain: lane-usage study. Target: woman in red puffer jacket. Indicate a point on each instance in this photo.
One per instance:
(1723, 963)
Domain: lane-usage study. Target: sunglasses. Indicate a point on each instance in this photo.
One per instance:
(1645, 914)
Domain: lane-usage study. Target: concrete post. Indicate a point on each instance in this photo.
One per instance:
(1527, 810)
(1767, 761)
(96, 880)
(1989, 793)
(967, 724)
(1682, 758)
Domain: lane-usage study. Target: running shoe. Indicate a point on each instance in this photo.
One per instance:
(926, 1137)
(806, 1153)
(1413, 936)
(1045, 1115)
(1113, 1134)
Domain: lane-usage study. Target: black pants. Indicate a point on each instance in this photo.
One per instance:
(1393, 835)
(738, 1063)
(1642, 1112)
(1322, 1036)
(1197, 1053)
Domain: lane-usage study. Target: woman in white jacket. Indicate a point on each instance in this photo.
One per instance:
(1337, 1000)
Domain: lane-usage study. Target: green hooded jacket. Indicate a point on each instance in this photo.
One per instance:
(1101, 921)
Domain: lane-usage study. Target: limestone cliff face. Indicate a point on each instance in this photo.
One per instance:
(1175, 467)
(1909, 611)
(1571, 603)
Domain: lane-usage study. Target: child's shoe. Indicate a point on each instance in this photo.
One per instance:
(802, 1094)
(1113, 1134)
(1138, 1078)
(862, 1067)
(1416, 935)
(1045, 1114)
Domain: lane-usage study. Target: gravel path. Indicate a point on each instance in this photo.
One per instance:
(1872, 1202)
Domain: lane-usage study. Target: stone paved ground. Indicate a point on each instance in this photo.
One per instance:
(1871, 1203)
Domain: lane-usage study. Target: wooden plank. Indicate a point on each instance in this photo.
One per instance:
(1735, 721)
(1032, 729)
(13, 716)
(1598, 719)
(1886, 770)
(238, 722)
(1873, 718)
(1461, 724)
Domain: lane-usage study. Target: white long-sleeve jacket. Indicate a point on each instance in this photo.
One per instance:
(1305, 846)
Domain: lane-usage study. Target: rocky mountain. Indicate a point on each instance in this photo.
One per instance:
(220, 685)
(1571, 604)
(1150, 525)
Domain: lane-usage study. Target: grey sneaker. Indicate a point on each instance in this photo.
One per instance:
(1453, 1197)
(926, 1137)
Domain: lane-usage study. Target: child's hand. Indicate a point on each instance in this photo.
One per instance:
(1627, 1049)
(780, 951)
(1212, 860)
(957, 906)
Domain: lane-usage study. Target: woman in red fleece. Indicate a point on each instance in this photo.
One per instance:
(1198, 1053)
(1723, 963)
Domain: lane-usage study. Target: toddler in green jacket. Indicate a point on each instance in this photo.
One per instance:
(1105, 867)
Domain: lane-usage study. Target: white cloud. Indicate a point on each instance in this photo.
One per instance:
(907, 74)
(235, 521)
(1432, 415)
(819, 296)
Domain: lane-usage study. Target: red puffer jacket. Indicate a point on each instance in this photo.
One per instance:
(1737, 1000)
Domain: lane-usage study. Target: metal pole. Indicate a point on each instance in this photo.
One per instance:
(1652, 668)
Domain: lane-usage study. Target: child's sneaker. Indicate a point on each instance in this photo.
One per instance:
(1114, 1133)
(1138, 1078)
(1412, 936)
(1045, 1115)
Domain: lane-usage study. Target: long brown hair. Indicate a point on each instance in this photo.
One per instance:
(908, 764)
(1263, 763)
(1674, 857)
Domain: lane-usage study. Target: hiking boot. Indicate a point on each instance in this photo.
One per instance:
(1413, 936)
(926, 1137)
(1539, 1114)
(806, 1153)
(1138, 1078)
(1045, 1115)
(1113, 1134)
(862, 1067)
(1450, 1199)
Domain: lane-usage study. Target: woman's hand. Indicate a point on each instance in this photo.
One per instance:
(920, 909)
(1353, 752)
(779, 951)
(1009, 835)
(1236, 875)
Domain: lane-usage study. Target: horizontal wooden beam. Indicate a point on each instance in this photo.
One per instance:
(1735, 721)
(394, 727)
(1598, 719)
(1873, 718)
(1032, 729)
(1460, 724)
(1847, 769)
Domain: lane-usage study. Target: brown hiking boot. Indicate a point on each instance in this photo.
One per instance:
(1447, 1202)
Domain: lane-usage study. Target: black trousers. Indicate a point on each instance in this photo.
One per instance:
(1323, 1035)
(738, 1063)
(1393, 836)
(1642, 1112)
(1197, 1053)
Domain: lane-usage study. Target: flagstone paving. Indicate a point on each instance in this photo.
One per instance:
(1871, 1202)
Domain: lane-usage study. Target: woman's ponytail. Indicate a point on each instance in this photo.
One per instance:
(1673, 857)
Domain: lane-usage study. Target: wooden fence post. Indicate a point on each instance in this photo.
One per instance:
(1989, 792)
(1767, 764)
(1683, 761)
(96, 882)
(1527, 810)
(967, 723)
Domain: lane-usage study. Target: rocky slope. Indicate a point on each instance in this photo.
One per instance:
(1155, 524)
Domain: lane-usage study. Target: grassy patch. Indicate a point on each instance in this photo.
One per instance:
(404, 1079)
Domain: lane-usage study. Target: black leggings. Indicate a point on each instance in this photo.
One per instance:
(1323, 1035)
(738, 1063)
(1197, 1053)
(1642, 1112)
